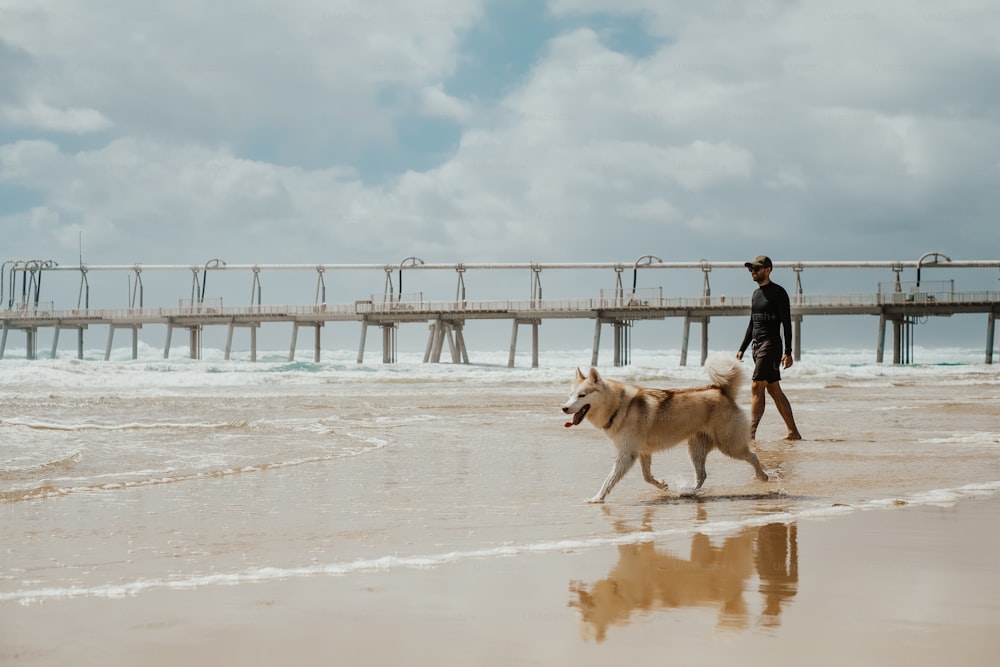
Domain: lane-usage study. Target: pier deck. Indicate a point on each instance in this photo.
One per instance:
(901, 304)
(897, 308)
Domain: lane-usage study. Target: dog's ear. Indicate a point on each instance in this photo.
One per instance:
(594, 376)
(580, 375)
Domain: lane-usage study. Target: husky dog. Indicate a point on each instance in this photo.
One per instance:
(641, 421)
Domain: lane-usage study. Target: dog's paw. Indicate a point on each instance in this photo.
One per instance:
(596, 500)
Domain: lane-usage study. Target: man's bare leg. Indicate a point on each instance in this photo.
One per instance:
(784, 409)
(757, 392)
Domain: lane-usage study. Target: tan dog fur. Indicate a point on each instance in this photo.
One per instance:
(640, 421)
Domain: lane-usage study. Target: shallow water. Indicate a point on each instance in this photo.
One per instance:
(126, 477)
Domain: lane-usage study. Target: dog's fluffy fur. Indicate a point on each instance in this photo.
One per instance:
(640, 421)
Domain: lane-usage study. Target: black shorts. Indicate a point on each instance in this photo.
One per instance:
(767, 361)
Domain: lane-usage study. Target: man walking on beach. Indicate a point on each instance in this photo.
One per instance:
(770, 312)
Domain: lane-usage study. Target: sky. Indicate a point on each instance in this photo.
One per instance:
(336, 131)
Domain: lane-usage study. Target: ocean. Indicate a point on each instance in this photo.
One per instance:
(125, 477)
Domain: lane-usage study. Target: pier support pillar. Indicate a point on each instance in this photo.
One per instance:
(684, 341)
(166, 346)
(623, 343)
(431, 338)
(880, 347)
(194, 335)
(441, 331)
(896, 336)
(253, 326)
(534, 342)
(902, 340)
(361, 347)
(79, 339)
(704, 340)
(111, 338)
(463, 351)
(796, 338)
(295, 338)
(389, 342)
(990, 336)
(621, 332)
(32, 342)
(597, 342)
(513, 345)
(686, 338)
(194, 338)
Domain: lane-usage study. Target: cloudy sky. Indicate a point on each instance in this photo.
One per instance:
(498, 130)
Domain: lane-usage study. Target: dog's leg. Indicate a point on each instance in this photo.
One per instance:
(733, 442)
(646, 461)
(752, 459)
(623, 464)
(698, 447)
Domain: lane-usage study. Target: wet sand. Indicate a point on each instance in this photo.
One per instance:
(408, 521)
(915, 585)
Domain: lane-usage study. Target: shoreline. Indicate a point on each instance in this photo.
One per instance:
(622, 536)
(914, 582)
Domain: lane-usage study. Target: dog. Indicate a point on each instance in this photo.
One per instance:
(640, 421)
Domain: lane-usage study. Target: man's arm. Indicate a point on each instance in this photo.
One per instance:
(746, 339)
(786, 321)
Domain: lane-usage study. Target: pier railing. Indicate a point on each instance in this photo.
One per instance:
(581, 306)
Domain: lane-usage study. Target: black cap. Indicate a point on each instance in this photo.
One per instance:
(759, 262)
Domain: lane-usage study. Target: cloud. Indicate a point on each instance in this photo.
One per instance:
(284, 135)
(39, 115)
(437, 103)
(219, 72)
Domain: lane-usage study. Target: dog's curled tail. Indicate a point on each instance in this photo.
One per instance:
(726, 372)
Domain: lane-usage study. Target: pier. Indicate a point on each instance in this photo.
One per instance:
(897, 305)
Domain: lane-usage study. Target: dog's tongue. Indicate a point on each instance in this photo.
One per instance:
(578, 416)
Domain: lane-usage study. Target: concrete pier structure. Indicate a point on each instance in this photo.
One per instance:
(900, 304)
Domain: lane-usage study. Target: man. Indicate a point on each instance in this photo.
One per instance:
(770, 312)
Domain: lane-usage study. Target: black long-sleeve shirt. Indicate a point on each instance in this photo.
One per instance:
(770, 312)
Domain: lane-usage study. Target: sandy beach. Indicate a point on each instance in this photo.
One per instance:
(901, 585)
(249, 515)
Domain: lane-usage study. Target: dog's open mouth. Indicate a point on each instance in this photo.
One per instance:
(578, 416)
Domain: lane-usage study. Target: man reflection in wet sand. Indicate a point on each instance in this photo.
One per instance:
(778, 568)
(647, 579)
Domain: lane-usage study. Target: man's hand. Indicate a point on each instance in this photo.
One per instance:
(786, 361)
(739, 355)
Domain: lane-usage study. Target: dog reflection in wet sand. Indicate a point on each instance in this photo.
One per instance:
(647, 579)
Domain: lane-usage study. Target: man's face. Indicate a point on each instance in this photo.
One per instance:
(759, 273)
